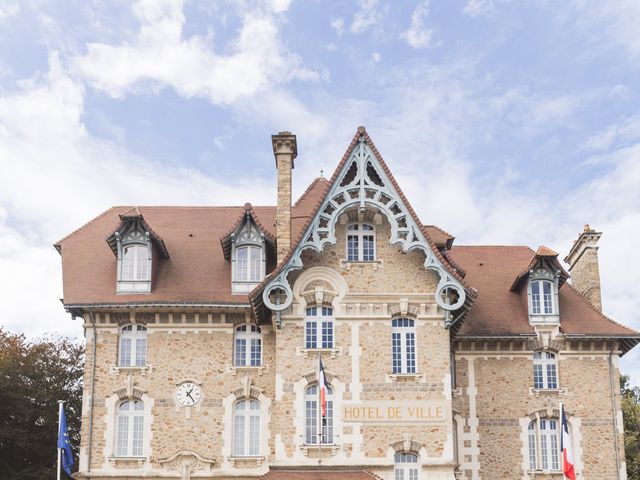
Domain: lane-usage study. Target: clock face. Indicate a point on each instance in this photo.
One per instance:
(188, 394)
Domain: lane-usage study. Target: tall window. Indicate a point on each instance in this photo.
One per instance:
(541, 297)
(318, 327)
(133, 346)
(406, 466)
(311, 417)
(361, 243)
(129, 428)
(543, 444)
(403, 345)
(135, 263)
(544, 370)
(248, 346)
(246, 428)
(248, 264)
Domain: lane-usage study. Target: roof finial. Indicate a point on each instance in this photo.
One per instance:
(322, 173)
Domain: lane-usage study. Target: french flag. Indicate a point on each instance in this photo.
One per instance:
(565, 447)
(322, 390)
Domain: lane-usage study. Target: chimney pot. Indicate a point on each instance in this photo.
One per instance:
(285, 150)
(583, 265)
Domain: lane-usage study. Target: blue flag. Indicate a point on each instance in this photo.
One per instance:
(64, 444)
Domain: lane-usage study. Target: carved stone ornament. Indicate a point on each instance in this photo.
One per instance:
(129, 391)
(407, 444)
(248, 389)
(363, 184)
(186, 462)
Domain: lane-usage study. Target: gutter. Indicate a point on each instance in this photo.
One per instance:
(80, 306)
(613, 411)
(93, 386)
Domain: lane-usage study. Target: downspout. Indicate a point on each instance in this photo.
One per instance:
(93, 387)
(613, 410)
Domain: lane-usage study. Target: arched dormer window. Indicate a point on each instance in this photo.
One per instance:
(137, 249)
(246, 248)
(133, 346)
(313, 420)
(543, 296)
(406, 466)
(361, 242)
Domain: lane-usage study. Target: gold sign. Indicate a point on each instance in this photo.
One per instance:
(383, 412)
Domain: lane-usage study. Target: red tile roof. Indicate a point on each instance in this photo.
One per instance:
(498, 310)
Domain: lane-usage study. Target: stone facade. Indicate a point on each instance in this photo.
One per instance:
(470, 409)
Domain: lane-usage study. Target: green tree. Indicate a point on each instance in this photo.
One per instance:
(631, 415)
(34, 375)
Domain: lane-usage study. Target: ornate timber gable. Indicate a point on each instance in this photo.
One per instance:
(362, 181)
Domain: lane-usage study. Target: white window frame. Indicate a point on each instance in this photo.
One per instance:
(359, 231)
(252, 270)
(403, 346)
(319, 328)
(139, 262)
(406, 466)
(135, 336)
(131, 442)
(246, 434)
(542, 303)
(545, 370)
(311, 419)
(543, 438)
(247, 346)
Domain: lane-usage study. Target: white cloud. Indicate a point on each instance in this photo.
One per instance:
(160, 57)
(418, 35)
(477, 8)
(56, 176)
(628, 129)
(376, 57)
(338, 25)
(366, 17)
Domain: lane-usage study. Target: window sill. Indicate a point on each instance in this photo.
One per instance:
(330, 448)
(246, 369)
(404, 377)
(309, 352)
(549, 391)
(238, 288)
(347, 264)
(246, 462)
(133, 286)
(117, 369)
(127, 461)
(548, 474)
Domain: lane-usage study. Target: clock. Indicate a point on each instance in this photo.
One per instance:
(188, 394)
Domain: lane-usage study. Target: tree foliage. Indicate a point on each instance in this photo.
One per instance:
(34, 375)
(631, 415)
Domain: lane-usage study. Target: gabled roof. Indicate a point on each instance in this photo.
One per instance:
(247, 211)
(545, 256)
(256, 294)
(134, 215)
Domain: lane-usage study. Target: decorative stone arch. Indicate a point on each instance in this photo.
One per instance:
(404, 309)
(186, 462)
(407, 445)
(319, 286)
(362, 184)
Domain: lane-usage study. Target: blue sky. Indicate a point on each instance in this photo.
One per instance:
(505, 122)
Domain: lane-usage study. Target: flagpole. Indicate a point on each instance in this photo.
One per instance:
(319, 409)
(60, 403)
(560, 446)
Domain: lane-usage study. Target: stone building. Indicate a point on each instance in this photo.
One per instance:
(205, 325)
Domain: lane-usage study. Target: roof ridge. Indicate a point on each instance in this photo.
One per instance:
(441, 230)
(308, 190)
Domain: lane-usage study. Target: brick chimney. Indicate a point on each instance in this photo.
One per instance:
(285, 149)
(583, 265)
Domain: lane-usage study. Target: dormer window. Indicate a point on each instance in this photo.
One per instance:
(361, 243)
(542, 295)
(246, 246)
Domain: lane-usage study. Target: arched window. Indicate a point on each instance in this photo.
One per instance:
(318, 327)
(247, 346)
(246, 428)
(129, 428)
(545, 370)
(248, 264)
(312, 419)
(135, 263)
(361, 243)
(406, 466)
(133, 346)
(542, 297)
(543, 444)
(403, 345)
